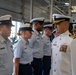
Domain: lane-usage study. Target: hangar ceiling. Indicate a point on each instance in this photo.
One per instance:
(20, 9)
(12, 7)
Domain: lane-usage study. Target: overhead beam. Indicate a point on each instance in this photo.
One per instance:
(51, 3)
(51, 10)
(69, 8)
(31, 9)
(23, 10)
(59, 10)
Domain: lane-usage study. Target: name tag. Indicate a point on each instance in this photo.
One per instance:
(54, 44)
(3, 50)
(25, 48)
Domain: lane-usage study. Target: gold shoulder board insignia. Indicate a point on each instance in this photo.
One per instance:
(72, 36)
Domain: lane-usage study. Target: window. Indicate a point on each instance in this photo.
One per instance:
(14, 30)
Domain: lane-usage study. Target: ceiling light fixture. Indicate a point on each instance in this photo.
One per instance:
(67, 4)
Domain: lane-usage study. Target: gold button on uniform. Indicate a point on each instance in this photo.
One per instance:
(60, 38)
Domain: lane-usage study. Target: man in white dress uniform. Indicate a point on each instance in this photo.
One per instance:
(63, 55)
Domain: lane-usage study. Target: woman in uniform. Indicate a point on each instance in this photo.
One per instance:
(22, 52)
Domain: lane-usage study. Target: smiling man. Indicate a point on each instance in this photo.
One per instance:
(62, 54)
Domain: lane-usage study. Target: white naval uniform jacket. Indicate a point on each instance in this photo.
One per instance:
(73, 48)
(62, 55)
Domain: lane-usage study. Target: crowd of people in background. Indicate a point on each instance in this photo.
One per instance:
(44, 48)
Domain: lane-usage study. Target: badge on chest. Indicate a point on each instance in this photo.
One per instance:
(63, 48)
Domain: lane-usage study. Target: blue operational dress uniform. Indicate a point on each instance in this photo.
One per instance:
(36, 43)
(24, 52)
(62, 52)
(6, 49)
(47, 50)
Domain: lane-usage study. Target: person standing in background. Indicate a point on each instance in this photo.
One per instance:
(47, 50)
(73, 55)
(6, 49)
(36, 44)
(74, 31)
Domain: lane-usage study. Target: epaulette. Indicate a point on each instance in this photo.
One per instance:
(72, 36)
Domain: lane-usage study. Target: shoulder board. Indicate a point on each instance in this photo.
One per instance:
(72, 36)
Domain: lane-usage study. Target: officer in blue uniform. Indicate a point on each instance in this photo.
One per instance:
(22, 52)
(47, 50)
(6, 50)
(36, 43)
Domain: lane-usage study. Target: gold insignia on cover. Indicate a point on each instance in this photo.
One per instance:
(72, 36)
